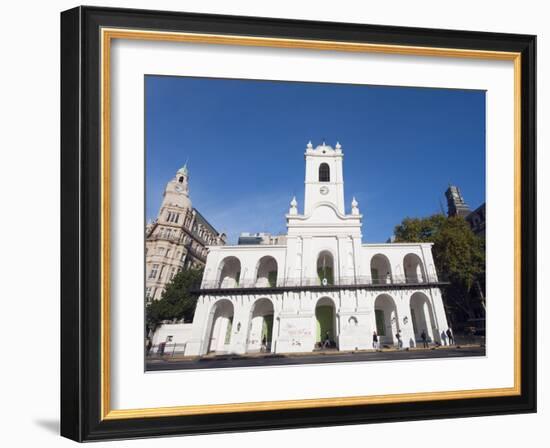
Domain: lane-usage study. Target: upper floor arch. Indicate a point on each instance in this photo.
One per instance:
(414, 269)
(266, 272)
(380, 269)
(229, 271)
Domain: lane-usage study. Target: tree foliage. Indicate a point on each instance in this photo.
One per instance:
(177, 302)
(419, 229)
(459, 255)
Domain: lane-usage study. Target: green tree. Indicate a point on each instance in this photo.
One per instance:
(419, 229)
(459, 257)
(178, 301)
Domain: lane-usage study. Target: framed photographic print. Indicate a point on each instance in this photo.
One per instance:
(273, 223)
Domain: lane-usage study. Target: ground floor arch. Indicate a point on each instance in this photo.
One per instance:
(221, 327)
(386, 319)
(260, 331)
(325, 323)
(423, 318)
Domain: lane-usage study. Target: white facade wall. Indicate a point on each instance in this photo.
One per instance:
(294, 320)
(178, 334)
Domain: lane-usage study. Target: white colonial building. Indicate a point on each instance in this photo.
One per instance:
(323, 282)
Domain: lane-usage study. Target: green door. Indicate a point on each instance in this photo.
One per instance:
(327, 273)
(272, 279)
(267, 329)
(380, 322)
(227, 338)
(325, 322)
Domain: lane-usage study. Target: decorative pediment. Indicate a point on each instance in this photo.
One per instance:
(324, 214)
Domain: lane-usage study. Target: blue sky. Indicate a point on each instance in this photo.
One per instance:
(245, 140)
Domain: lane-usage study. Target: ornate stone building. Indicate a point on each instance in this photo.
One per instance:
(177, 239)
(319, 284)
(456, 206)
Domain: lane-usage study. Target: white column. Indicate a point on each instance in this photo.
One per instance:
(405, 321)
(340, 260)
(431, 327)
(241, 322)
(198, 342)
(439, 309)
(357, 261)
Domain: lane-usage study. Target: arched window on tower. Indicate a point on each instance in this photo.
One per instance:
(324, 172)
(180, 180)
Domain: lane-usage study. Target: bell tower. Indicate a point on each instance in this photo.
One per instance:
(176, 197)
(456, 205)
(324, 177)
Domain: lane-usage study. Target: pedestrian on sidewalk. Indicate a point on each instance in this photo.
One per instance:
(399, 341)
(424, 339)
(374, 340)
(161, 348)
(450, 336)
(326, 344)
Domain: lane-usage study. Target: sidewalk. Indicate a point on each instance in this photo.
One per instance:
(179, 357)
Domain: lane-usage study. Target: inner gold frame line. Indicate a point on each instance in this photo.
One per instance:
(107, 36)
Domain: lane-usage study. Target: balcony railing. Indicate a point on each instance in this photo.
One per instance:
(317, 283)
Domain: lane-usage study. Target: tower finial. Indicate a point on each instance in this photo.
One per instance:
(293, 206)
(184, 170)
(354, 206)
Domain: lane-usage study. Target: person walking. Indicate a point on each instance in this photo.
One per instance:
(399, 341)
(450, 337)
(374, 340)
(326, 344)
(161, 348)
(424, 339)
